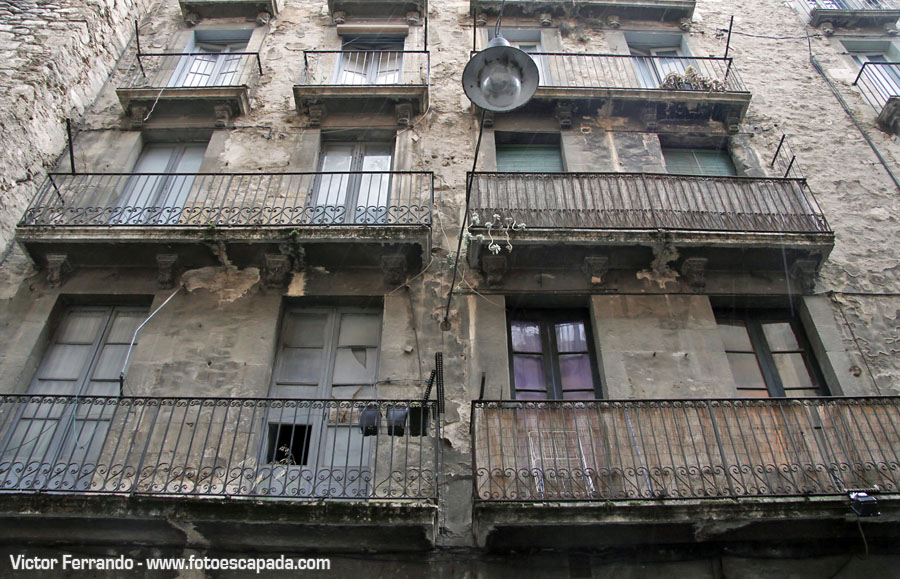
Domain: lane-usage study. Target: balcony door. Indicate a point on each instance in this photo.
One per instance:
(371, 61)
(55, 443)
(160, 184)
(313, 447)
(210, 59)
(353, 186)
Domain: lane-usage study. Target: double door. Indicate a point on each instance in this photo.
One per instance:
(55, 438)
(161, 184)
(209, 64)
(354, 183)
(314, 445)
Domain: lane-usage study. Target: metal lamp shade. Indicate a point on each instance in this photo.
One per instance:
(500, 78)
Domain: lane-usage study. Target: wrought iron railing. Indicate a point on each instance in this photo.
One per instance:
(193, 70)
(365, 68)
(878, 82)
(659, 449)
(825, 6)
(614, 71)
(223, 447)
(647, 201)
(362, 198)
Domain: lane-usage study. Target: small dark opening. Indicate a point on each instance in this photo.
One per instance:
(288, 444)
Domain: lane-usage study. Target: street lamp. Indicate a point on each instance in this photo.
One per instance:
(500, 78)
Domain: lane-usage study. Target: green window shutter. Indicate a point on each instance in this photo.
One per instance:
(712, 162)
(529, 159)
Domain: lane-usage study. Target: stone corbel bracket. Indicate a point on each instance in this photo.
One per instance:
(276, 270)
(595, 268)
(394, 269)
(165, 263)
(57, 267)
(693, 272)
(805, 272)
(494, 268)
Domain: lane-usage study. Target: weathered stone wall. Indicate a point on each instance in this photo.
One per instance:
(55, 57)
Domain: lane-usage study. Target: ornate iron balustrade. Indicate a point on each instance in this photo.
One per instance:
(338, 68)
(648, 201)
(192, 70)
(222, 447)
(676, 449)
(879, 82)
(626, 72)
(363, 198)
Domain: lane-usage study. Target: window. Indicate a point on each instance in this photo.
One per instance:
(210, 59)
(84, 358)
(883, 75)
(161, 183)
(659, 55)
(709, 162)
(528, 152)
(354, 183)
(551, 354)
(371, 60)
(769, 354)
(528, 40)
(323, 353)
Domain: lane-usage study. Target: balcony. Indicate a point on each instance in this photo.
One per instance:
(363, 82)
(190, 83)
(851, 13)
(656, 10)
(394, 9)
(230, 466)
(735, 223)
(349, 219)
(659, 89)
(228, 8)
(616, 472)
(879, 82)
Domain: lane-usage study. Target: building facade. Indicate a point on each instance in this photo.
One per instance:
(270, 301)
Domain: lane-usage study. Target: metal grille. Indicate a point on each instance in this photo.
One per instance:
(648, 201)
(641, 449)
(365, 68)
(232, 447)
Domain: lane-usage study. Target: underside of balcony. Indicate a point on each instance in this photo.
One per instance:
(851, 18)
(233, 525)
(221, 101)
(228, 8)
(660, 11)
(397, 9)
(889, 117)
(319, 101)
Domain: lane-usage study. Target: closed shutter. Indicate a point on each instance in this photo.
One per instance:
(712, 162)
(529, 159)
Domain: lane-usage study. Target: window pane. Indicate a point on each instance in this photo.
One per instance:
(780, 336)
(526, 337)
(793, 372)
(746, 370)
(734, 336)
(64, 362)
(529, 158)
(124, 326)
(354, 365)
(304, 330)
(575, 372)
(570, 337)
(528, 373)
(300, 365)
(359, 330)
(530, 395)
(80, 327)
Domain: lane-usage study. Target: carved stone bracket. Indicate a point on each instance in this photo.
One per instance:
(165, 262)
(693, 272)
(404, 114)
(57, 266)
(413, 18)
(223, 115)
(595, 268)
(563, 114)
(263, 18)
(481, 19)
(546, 19)
(316, 114)
(394, 269)
(278, 266)
(684, 24)
(138, 112)
(613, 21)
(191, 19)
(489, 119)
(494, 268)
(804, 271)
(339, 16)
